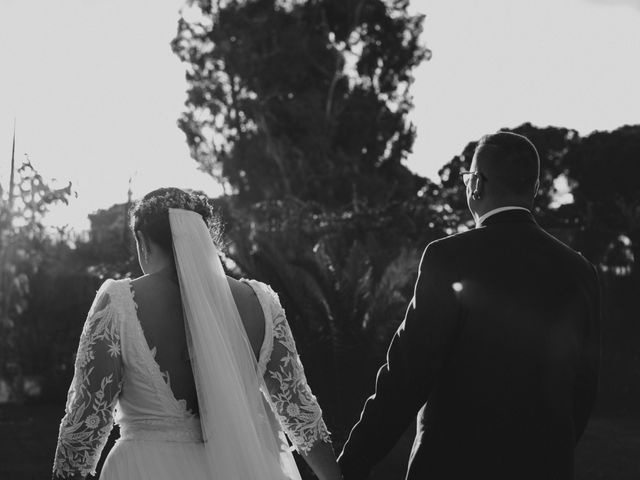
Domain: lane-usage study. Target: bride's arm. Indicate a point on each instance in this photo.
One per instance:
(93, 393)
(296, 407)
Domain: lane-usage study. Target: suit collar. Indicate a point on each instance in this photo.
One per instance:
(490, 213)
(509, 216)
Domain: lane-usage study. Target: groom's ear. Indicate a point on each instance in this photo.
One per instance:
(536, 188)
(479, 186)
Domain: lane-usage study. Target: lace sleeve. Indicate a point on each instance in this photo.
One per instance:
(93, 393)
(294, 403)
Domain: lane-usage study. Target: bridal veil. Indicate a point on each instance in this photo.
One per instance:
(242, 440)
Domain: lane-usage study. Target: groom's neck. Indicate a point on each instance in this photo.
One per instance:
(492, 204)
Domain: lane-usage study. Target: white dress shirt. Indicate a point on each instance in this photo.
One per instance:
(490, 213)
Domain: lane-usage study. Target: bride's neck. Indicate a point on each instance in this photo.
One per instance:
(169, 273)
(162, 266)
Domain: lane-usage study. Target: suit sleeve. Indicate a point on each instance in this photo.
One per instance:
(586, 384)
(416, 356)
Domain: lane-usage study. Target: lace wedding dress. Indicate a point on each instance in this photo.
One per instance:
(117, 378)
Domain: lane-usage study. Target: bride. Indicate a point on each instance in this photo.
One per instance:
(199, 370)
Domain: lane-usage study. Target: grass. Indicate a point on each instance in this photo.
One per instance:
(609, 450)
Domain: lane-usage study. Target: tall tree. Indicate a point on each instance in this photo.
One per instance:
(300, 109)
(605, 172)
(307, 99)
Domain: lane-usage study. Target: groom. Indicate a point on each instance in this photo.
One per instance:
(499, 349)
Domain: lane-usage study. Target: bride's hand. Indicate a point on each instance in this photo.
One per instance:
(322, 460)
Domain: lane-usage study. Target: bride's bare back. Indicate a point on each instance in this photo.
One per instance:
(159, 308)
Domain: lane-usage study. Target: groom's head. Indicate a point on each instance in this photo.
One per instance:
(504, 172)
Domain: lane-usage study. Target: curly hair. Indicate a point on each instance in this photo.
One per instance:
(150, 215)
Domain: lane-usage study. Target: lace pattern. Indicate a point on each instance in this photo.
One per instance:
(98, 379)
(295, 405)
(94, 390)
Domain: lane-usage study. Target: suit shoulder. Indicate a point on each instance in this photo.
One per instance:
(451, 243)
(576, 258)
(443, 251)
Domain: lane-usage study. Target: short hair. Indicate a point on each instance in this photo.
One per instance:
(514, 161)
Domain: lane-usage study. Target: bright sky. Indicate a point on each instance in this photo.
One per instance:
(96, 90)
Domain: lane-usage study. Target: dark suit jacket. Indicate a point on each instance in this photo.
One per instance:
(498, 354)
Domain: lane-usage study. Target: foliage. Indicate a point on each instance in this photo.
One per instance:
(62, 275)
(22, 242)
(110, 250)
(47, 334)
(300, 109)
(301, 98)
(609, 205)
(343, 282)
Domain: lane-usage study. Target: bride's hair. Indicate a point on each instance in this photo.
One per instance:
(150, 215)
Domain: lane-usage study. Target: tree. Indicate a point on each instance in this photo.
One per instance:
(300, 109)
(110, 249)
(609, 203)
(292, 98)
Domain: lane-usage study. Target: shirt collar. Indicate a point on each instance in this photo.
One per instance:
(490, 213)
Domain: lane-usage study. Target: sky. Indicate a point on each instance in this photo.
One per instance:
(96, 91)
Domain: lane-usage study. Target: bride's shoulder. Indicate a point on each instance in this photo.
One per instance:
(116, 292)
(110, 297)
(240, 288)
(113, 286)
(266, 295)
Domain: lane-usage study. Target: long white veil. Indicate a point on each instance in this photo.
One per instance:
(241, 439)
